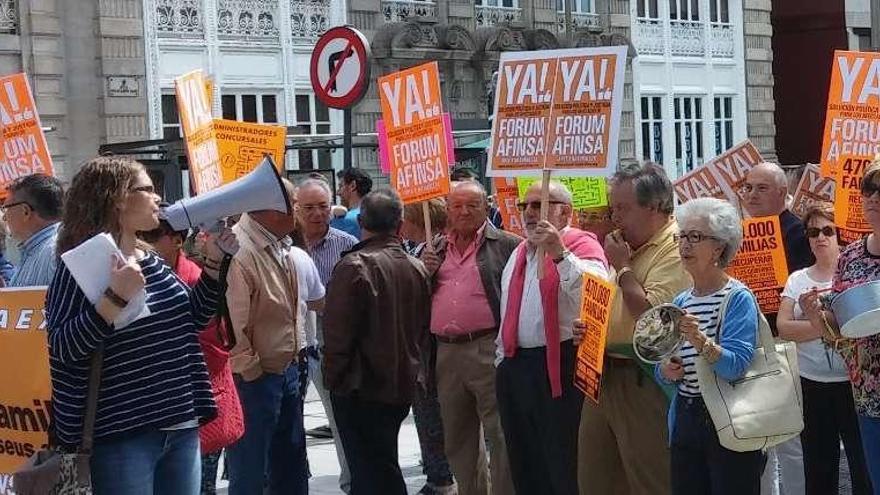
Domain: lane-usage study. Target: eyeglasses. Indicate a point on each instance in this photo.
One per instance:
(693, 237)
(869, 188)
(760, 189)
(827, 231)
(145, 189)
(4, 208)
(523, 206)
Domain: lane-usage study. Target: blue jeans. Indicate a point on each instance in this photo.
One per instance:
(272, 451)
(870, 428)
(154, 462)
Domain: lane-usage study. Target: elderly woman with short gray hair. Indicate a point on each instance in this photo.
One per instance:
(710, 236)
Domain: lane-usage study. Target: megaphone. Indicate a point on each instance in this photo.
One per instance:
(261, 189)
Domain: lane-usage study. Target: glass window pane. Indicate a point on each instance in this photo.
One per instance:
(645, 113)
(305, 160)
(698, 105)
(725, 11)
(658, 142)
(322, 113)
(699, 126)
(677, 106)
(322, 129)
(324, 159)
(304, 128)
(718, 108)
(270, 110)
(170, 132)
(713, 10)
(728, 134)
(687, 108)
(303, 114)
(228, 104)
(678, 140)
(728, 112)
(640, 7)
(695, 10)
(646, 141)
(249, 108)
(673, 9)
(658, 114)
(654, 8)
(169, 109)
(683, 10)
(719, 145)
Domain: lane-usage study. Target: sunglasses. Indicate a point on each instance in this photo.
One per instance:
(869, 188)
(523, 206)
(827, 231)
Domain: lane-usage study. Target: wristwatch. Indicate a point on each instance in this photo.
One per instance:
(621, 272)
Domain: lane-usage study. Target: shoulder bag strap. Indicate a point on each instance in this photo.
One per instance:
(88, 433)
(722, 310)
(764, 337)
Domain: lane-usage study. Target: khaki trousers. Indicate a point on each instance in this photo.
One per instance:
(622, 443)
(466, 390)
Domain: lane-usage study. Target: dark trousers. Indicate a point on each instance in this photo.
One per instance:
(369, 431)
(541, 432)
(700, 465)
(829, 417)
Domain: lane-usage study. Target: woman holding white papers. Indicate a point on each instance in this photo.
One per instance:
(154, 386)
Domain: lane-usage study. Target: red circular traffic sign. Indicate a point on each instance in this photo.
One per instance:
(340, 67)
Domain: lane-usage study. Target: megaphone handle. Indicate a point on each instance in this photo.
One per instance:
(228, 341)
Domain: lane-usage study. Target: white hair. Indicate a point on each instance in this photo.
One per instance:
(322, 184)
(723, 220)
(556, 190)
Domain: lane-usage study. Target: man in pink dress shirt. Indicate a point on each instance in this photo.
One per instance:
(465, 314)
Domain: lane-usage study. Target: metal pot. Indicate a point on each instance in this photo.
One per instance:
(656, 336)
(857, 310)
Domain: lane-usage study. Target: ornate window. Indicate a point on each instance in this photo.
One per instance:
(8, 17)
(400, 10)
(686, 32)
(250, 107)
(309, 19)
(492, 12)
(688, 118)
(721, 29)
(312, 117)
(723, 124)
(180, 18)
(170, 118)
(583, 14)
(247, 19)
(652, 128)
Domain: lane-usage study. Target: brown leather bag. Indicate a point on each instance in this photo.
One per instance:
(54, 472)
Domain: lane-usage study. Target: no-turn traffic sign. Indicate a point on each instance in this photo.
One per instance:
(340, 67)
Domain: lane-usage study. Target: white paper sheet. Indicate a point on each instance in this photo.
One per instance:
(89, 263)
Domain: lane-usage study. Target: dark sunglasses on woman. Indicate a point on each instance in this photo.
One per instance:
(827, 231)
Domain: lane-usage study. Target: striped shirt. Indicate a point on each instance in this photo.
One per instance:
(154, 375)
(327, 252)
(38, 260)
(706, 309)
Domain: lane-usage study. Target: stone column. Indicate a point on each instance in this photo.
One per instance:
(760, 104)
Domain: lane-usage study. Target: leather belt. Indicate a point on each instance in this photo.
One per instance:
(467, 337)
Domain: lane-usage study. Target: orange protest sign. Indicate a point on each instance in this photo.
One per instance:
(506, 197)
(24, 145)
(243, 144)
(557, 110)
(760, 262)
(722, 177)
(848, 214)
(595, 313)
(25, 389)
(197, 123)
(852, 118)
(811, 189)
(412, 110)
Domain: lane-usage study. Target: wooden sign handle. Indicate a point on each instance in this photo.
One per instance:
(545, 205)
(429, 238)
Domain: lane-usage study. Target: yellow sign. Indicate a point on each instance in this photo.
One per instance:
(197, 122)
(243, 144)
(586, 192)
(25, 389)
(760, 262)
(595, 313)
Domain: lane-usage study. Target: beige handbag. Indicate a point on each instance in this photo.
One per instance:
(763, 407)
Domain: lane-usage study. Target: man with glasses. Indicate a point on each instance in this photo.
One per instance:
(466, 266)
(623, 439)
(325, 245)
(32, 211)
(538, 403)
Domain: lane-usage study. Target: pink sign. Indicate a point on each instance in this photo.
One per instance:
(385, 159)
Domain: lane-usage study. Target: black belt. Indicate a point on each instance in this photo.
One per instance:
(467, 337)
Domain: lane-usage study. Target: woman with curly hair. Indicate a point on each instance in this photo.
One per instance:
(154, 387)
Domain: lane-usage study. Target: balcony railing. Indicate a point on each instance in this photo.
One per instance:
(247, 19)
(309, 19)
(683, 38)
(180, 18)
(8, 17)
(491, 15)
(580, 20)
(401, 10)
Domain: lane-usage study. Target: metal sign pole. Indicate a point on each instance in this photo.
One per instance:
(346, 138)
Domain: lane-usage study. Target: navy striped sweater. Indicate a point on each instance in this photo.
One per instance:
(154, 375)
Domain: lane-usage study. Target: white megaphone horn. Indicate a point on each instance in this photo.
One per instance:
(261, 189)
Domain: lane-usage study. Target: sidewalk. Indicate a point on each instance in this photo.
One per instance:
(322, 453)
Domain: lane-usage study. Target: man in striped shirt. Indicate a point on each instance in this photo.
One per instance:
(32, 211)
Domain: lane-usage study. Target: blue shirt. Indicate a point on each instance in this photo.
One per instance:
(6, 270)
(349, 223)
(327, 252)
(38, 260)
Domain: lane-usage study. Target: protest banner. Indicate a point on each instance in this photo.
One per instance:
(586, 192)
(722, 177)
(812, 189)
(412, 111)
(557, 110)
(596, 300)
(506, 197)
(760, 263)
(848, 214)
(382, 140)
(25, 390)
(852, 118)
(24, 144)
(197, 123)
(243, 144)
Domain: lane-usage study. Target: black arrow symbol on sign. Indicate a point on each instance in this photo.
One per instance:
(334, 64)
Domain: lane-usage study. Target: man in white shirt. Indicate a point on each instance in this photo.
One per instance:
(537, 401)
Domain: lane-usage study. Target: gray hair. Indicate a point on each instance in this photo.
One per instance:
(777, 172)
(723, 220)
(652, 187)
(381, 211)
(556, 190)
(319, 183)
(472, 184)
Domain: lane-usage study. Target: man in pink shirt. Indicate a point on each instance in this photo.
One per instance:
(465, 314)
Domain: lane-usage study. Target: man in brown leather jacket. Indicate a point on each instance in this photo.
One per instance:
(378, 308)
